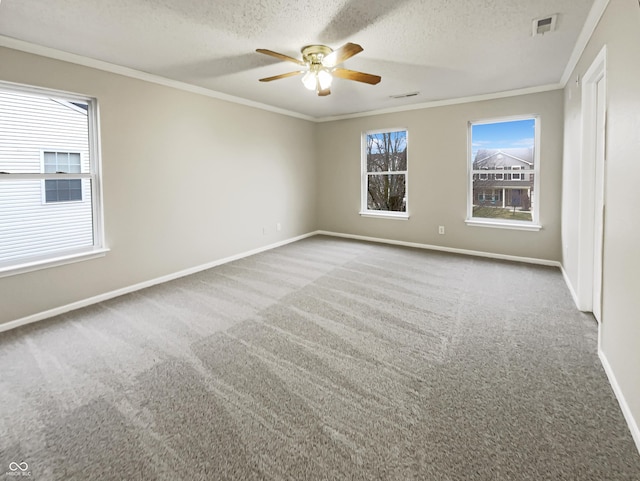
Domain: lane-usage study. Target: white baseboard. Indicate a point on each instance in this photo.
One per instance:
(567, 281)
(624, 407)
(528, 260)
(142, 285)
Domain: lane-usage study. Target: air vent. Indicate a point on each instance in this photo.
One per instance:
(544, 25)
(401, 96)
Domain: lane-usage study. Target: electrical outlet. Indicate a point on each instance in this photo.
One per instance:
(278, 227)
(441, 229)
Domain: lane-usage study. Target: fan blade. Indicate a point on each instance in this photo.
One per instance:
(282, 75)
(324, 93)
(357, 76)
(280, 56)
(338, 56)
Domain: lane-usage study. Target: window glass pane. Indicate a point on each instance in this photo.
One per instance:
(50, 163)
(74, 163)
(503, 166)
(506, 202)
(63, 190)
(31, 228)
(63, 194)
(75, 190)
(51, 195)
(67, 162)
(386, 151)
(387, 192)
(61, 162)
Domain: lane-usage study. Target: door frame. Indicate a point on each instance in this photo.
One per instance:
(588, 169)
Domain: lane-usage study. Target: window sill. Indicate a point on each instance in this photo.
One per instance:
(52, 262)
(503, 225)
(385, 215)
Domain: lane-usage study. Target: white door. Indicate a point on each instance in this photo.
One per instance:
(599, 198)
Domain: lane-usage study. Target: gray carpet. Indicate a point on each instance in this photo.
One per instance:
(325, 359)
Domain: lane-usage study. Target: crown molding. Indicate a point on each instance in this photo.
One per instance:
(595, 14)
(53, 53)
(441, 103)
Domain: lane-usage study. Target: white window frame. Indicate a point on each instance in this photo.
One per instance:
(58, 150)
(67, 256)
(500, 174)
(532, 225)
(364, 210)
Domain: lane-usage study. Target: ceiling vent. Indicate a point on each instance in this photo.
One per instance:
(545, 24)
(401, 96)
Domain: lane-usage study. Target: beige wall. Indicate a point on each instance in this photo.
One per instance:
(619, 30)
(187, 180)
(437, 188)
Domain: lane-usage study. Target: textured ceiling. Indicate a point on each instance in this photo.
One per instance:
(444, 49)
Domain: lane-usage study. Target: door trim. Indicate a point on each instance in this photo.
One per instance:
(586, 222)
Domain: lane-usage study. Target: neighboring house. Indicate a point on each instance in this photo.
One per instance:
(43, 135)
(507, 182)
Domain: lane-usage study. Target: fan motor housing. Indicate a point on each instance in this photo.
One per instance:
(315, 53)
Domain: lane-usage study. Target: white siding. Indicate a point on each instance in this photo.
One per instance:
(30, 125)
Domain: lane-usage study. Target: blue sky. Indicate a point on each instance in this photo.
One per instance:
(503, 135)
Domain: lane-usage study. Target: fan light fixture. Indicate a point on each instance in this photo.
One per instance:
(320, 65)
(317, 79)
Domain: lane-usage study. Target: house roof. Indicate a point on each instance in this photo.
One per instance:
(491, 158)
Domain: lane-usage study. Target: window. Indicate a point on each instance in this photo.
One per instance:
(49, 183)
(516, 176)
(500, 193)
(62, 190)
(489, 196)
(384, 173)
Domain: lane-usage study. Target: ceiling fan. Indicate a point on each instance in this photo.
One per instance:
(320, 66)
